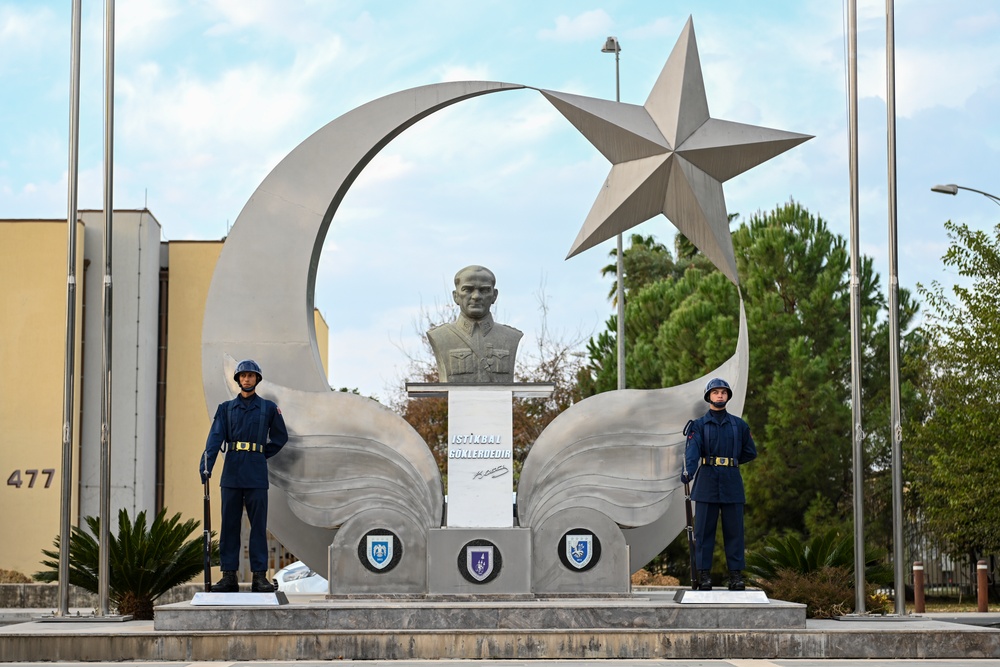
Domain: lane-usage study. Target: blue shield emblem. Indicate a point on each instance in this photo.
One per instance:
(379, 550)
(479, 561)
(579, 550)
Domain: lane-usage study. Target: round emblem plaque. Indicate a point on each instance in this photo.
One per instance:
(480, 561)
(579, 550)
(380, 550)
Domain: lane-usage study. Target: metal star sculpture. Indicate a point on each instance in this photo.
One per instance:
(668, 156)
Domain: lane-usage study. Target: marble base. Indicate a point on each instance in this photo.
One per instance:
(723, 596)
(474, 614)
(239, 599)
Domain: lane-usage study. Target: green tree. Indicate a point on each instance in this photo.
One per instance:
(645, 261)
(954, 454)
(143, 563)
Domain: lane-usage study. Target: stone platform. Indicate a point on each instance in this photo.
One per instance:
(485, 615)
(643, 625)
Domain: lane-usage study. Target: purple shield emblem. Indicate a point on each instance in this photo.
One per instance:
(479, 561)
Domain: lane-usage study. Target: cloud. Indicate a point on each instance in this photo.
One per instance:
(587, 25)
(480, 72)
(20, 27)
(141, 25)
(666, 27)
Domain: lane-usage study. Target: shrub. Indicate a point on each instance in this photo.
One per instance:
(644, 577)
(818, 573)
(826, 592)
(13, 577)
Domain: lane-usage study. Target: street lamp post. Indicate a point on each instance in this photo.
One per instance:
(952, 189)
(611, 45)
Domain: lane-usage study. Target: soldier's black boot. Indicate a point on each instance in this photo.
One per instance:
(227, 584)
(260, 584)
(736, 582)
(705, 580)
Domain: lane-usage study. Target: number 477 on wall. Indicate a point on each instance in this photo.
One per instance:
(16, 481)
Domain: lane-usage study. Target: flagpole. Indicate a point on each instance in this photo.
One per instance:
(103, 578)
(69, 371)
(895, 423)
(857, 433)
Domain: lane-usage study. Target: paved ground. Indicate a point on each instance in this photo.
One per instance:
(24, 622)
(560, 663)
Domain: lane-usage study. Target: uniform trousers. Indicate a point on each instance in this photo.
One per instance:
(706, 519)
(233, 502)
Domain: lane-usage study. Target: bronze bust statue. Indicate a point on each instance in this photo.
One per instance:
(474, 348)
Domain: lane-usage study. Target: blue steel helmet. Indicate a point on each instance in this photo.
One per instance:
(718, 383)
(248, 366)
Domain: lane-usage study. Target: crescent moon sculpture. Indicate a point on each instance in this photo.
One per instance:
(613, 459)
(266, 314)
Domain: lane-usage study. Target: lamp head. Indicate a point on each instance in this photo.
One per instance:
(611, 45)
(950, 189)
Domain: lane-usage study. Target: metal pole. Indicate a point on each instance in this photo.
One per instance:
(620, 264)
(994, 198)
(857, 432)
(895, 422)
(952, 189)
(103, 578)
(69, 371)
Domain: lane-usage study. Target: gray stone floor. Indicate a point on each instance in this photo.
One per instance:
(963, 637)
(557, 663)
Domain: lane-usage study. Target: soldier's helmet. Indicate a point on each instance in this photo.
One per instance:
(718, 383)
(248, 366)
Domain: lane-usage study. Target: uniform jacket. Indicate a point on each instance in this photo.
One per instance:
(256, 421)
(718, 434)
(474, 350)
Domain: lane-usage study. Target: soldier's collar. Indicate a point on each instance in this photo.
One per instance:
(467, 325)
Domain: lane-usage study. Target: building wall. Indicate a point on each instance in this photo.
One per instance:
(190, 268)
(32, 353)
(135, 278)
(32, 350)
(322, 339)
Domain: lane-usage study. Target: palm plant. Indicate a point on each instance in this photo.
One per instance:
(791, 553)
(143, 564)
(818, 573)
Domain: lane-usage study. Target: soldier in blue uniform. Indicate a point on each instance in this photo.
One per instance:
(250, 430)
(717, 445)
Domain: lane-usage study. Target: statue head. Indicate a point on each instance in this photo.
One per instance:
(475, 291)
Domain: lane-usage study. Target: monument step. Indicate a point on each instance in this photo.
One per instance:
(653, 610)
(137, 641)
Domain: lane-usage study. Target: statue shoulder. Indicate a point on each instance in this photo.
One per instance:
(508, 330)
(439, 329)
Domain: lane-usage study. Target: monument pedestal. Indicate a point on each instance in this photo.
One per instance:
(479, 561)
(480, 448)
(479, 551)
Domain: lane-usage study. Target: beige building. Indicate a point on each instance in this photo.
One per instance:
(158, 415)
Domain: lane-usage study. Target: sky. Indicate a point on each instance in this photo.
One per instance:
(210, 95)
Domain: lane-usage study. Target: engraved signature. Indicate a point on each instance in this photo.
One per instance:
(492, 473)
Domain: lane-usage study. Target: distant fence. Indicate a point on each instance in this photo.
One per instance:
(944, 575)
